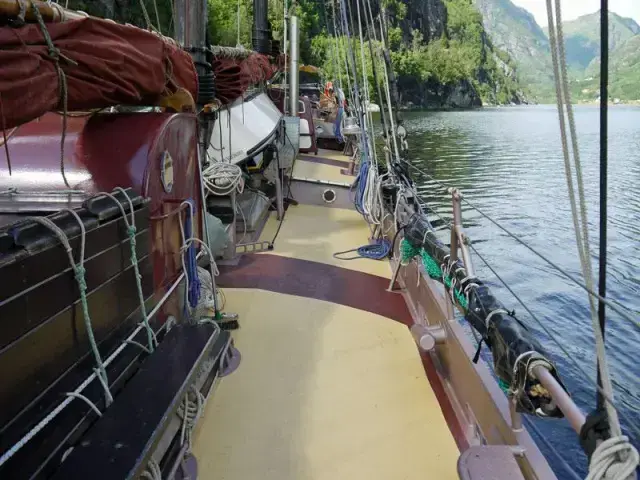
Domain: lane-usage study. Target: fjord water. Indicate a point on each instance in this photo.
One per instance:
(508, 162)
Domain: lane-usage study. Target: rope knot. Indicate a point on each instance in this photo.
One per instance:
(615, 458)
(79, 271)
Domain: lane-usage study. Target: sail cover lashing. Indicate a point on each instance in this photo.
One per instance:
(104, 63)
(234, 76)
(513, 347)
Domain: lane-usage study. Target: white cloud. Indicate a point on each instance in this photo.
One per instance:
(574, 8)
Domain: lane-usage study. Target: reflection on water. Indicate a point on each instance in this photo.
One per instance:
(508, 162)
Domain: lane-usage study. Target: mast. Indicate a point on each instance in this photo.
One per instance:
(261, 40)
(294, 92)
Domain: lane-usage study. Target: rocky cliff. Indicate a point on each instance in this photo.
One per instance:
(445, 59)
(514, 30)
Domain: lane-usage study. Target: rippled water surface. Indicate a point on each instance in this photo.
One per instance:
(508, 162)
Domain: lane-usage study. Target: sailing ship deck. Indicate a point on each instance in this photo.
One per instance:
(331, 384)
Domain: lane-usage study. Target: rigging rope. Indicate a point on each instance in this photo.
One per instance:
(145, 14)
(342, 55)
(604, 100)
(6, 136)
(614, 306)
(615, 457)
(152, 341)
(79, 272)
(55, 55)
(351, 56)
(388, 92)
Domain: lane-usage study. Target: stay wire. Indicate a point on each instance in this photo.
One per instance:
(554, 338)
(613, 306)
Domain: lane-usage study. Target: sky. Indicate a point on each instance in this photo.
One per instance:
(574, 8)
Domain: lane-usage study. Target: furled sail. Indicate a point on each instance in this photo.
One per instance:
(103, 64)
(234, 76)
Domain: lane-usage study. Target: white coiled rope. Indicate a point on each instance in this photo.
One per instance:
(605, 462)
(190, 411)
(221, 178)
(152, 472)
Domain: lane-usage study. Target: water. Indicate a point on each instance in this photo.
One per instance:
(508, 162)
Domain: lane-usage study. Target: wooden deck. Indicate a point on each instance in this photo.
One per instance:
(331, 385)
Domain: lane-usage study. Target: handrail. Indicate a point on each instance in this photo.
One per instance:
(562, 399)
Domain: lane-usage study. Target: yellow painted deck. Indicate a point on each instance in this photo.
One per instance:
(324, 391)
(305, 169)
(315, 233)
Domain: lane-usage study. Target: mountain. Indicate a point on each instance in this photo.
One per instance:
(514, 30)
(582, 37)
(624, 75)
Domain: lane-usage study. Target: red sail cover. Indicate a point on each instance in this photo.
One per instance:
(235, 76)
(116, 65)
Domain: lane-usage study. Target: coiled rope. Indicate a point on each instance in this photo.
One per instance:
(189, 412)
(189, 262)
(375, 251)
(79, 272)
(189, 266)
(152, 472)
(152, 341)
(606, 461)
(221, 178)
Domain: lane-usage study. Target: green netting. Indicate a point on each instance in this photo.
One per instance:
(504, 386)
(408, 251)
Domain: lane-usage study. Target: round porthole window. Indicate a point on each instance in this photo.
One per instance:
(166, 171)
(329, 195)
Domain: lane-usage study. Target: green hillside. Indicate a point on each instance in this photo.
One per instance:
(582, 37)
(624, 75)
(513, 29)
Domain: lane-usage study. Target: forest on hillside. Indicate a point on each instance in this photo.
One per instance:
(439, 49)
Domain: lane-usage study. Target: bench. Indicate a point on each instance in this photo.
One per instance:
(121, 443)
